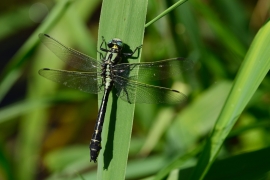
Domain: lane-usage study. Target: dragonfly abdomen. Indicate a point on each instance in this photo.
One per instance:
(95, 144)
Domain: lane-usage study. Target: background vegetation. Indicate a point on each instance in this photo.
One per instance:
(45, 128)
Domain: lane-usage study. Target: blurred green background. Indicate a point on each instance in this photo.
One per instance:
(45, 128)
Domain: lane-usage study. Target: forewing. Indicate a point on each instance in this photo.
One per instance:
(153, 70)
(135, 92)
(83, 81)
(70, 56)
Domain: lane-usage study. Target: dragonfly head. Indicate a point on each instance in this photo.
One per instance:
(116, 44)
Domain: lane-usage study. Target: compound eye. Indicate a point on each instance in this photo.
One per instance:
(110, 44)
(120, 44)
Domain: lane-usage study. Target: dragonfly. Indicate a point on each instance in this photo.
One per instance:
(99, 77)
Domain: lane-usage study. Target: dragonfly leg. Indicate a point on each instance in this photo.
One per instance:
(100, 86)
(100, 55)
(131, 54)
(101, 48)
(102, 82)
(125, 90)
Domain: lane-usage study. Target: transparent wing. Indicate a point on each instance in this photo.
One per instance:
(135, 92)
(70, 56)
(153, 70)
(83, 81)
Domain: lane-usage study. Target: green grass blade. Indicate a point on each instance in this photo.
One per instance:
(225, 36)
(176, 163)
(251, 165)
(186, 130)
(248, 166)
(136, 169)
(29, 105)
(21, 56)
(124, 20)
(253, 70)
(157, 130)
(175, 5)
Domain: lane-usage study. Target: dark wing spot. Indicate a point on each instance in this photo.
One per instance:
(175, 91)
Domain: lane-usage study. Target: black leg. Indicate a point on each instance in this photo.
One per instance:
(101, 48)
(125, 90)
(131, 54)
(100, 55)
